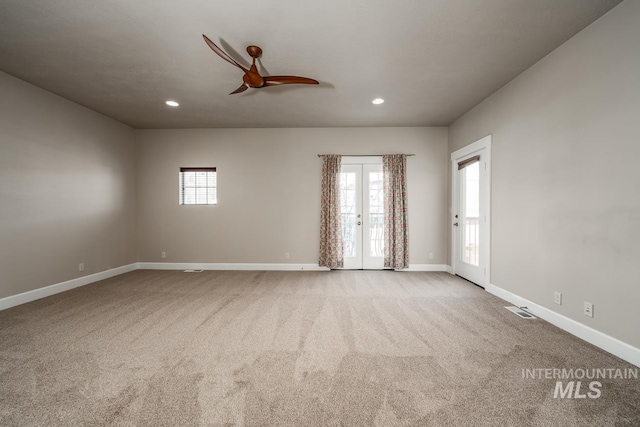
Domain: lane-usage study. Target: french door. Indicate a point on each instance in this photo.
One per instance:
(471, 167)
(361, 208)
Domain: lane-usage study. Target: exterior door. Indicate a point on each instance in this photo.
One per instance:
(361, 203)
(470, 231)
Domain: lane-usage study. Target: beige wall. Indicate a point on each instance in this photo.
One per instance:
(67, 192)
(269, 191)
(566, 182)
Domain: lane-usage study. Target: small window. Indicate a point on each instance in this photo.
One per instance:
(198, 186)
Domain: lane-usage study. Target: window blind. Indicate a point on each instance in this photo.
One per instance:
(198, 186)
(468, 162)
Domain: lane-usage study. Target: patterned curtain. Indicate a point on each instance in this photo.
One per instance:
(331, 249)
(396, 218)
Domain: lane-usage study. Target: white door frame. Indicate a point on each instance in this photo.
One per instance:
(366, 163)
(483, 146)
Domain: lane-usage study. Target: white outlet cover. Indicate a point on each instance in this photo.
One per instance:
(557, 298)
(588, 309)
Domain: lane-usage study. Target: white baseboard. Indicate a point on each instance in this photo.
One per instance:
(264, 266)
(25, 297)
(425, 267)
(227, 266)
(613, 345)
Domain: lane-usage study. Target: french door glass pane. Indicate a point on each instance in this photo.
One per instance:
(348, 212)
(471, 211)
(376, 215)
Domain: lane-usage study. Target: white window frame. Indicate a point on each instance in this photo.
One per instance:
(181, 199)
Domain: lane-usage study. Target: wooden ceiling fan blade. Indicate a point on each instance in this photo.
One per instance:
(222, 54)
(288, 80)
(240, 89)
(252, 77)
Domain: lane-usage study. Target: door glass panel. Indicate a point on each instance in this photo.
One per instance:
(376, 215)
(348, 212)
(471, 214)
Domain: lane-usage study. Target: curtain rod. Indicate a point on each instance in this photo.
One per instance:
(360, 155)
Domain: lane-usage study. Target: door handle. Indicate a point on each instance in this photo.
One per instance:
(455, 224)
(359, 223)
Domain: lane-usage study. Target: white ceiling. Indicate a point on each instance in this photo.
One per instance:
(431, 60)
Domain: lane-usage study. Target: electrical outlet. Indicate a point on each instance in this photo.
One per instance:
(287, 255)
(430, 255)
(588, 309)
(557, 298)
(163, 255)
(81, 266)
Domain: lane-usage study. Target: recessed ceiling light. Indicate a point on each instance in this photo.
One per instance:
(172, 103)
(377, 101)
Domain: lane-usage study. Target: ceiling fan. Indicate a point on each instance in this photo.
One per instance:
(252, 77)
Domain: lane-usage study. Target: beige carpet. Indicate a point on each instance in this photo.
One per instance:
(292, 349)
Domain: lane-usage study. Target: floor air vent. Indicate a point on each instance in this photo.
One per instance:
(193, 271)
(519, 312)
